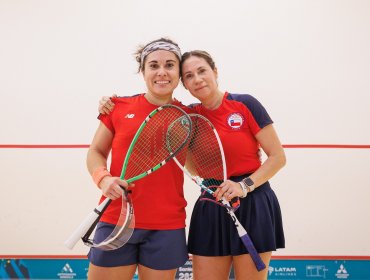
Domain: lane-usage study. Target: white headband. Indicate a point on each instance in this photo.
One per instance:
(160, 45)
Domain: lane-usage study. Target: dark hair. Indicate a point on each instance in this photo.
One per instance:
(198, 53)
(140, 49)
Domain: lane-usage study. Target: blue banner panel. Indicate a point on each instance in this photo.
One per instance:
(319, 269)
(278, 270)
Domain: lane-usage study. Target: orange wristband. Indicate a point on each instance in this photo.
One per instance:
(99, 174)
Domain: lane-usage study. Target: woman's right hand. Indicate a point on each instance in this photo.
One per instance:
(106, 105)
(112, 187)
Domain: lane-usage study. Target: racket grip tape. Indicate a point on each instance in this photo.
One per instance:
(235, 203)
(260, 265)
(81, 230)
(85, 226)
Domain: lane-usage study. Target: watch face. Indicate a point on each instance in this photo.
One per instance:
(249, 181)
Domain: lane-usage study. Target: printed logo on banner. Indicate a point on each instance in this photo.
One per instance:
(66, 272)
(282, 271)
(342, 272)
(316, 271)
(271, 270)
(185, 272)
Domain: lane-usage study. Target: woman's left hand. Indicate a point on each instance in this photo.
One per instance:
(228, 190)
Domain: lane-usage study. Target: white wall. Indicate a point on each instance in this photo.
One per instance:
(307, 61)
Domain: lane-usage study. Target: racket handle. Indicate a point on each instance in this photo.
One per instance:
(235, 203)
(85, 225)
(260, 265)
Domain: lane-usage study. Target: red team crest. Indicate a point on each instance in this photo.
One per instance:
(235, 120)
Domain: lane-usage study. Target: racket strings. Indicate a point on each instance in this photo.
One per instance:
(151, 147)
(204, 158)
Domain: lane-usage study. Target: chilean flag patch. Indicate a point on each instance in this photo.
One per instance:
(235, 120)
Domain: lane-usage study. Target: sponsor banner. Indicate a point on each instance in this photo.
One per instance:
(278, 269)
(319, 269)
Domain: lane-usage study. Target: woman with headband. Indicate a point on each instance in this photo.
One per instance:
(158, 245)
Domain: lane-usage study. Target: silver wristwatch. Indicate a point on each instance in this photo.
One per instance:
(249, 183)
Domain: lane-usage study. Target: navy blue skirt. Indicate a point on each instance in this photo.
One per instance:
(213, 233)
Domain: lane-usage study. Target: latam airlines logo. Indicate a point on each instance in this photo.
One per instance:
(235, 120)
(282, 271)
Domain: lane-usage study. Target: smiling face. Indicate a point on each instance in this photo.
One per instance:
(161, 74)
(199, 78)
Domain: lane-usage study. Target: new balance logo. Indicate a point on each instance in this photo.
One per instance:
(129, 116)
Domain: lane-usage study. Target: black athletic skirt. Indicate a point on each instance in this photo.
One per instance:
(212, 232)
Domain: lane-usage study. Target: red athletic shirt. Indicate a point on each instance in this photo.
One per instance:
(158, 198)
(238, 119)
